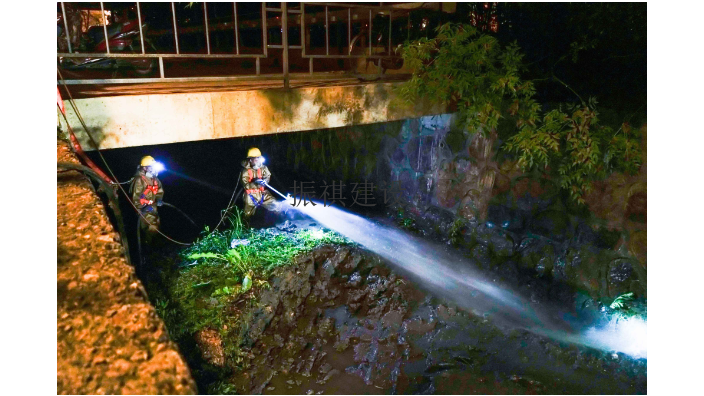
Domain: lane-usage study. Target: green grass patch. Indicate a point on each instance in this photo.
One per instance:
(215, 286)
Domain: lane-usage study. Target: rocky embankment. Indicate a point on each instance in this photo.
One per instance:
(109, 338)
(340, 321)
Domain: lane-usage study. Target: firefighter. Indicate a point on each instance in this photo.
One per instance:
(254, 176)
(147, 195)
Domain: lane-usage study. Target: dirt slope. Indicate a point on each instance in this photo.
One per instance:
(109, 338)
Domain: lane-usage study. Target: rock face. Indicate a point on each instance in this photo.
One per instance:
(109, 338)
(295, 328)
(340, 321)
(436, 174)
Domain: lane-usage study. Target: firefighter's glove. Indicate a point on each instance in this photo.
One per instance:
(260, 182)
(159, 203)
(147, 209)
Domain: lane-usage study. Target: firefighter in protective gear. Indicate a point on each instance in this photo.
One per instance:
(147, 194)
(253, 175)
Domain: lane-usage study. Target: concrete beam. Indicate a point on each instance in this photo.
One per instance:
(139, 120)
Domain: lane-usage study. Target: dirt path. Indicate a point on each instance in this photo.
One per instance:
(109, 338)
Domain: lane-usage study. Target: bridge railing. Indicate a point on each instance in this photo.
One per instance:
(359, 21)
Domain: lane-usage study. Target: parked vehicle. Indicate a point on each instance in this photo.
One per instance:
(122, 38)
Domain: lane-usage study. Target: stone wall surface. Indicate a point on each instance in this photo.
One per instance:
(109, 338)
(449, 184)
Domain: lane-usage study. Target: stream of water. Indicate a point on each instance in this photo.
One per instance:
(452, 276)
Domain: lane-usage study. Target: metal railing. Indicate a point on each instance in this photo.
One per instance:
(285, 11)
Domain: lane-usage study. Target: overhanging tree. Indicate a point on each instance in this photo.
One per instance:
(480, 81)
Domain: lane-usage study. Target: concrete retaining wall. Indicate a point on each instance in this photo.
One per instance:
(138, 120)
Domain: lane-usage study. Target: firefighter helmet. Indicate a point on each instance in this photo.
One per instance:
(254, 152)
(147, 161)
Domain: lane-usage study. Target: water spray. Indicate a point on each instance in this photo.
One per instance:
(447, 275)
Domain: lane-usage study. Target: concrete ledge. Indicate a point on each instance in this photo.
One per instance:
(138, 120)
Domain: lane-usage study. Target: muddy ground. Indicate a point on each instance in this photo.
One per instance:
(109, 338)
(340, 321)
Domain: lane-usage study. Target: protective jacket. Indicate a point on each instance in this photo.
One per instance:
(146, 192)
(254, 194)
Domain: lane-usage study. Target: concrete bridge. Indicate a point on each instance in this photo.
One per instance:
(150, 114)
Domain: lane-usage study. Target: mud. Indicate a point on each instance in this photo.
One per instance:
(340, 321)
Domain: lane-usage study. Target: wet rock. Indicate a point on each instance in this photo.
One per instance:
(351, 264)
(419, 326)
(341, 345)
(355, 280)
(440, 367)
(446, 313)
(392, 319)
(356, 296)
(483, 234)
(481, 256)
(620, 275)
(325, 368)
(330, 374)
(502, 245)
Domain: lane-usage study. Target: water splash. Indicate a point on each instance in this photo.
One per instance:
(451, 276)
(627, 335)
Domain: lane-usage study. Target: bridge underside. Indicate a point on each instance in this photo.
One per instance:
(144, 114)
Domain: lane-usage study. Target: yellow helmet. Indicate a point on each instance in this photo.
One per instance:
(147, 161)
(254, 152)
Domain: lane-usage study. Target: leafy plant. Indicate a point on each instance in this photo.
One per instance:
(480, 80)
(237, 223)
(219, 290)
(232, 257)
(621, 302)
(246, 283)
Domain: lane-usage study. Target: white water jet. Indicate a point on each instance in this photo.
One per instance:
(467, 287)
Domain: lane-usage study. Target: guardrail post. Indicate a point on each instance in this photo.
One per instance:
(173, 12)
(284, 23)
(105, 26)
(390, 32)
(303, 29)
(68, 39)
(264, 32)
(139, 20)
(237, 34)
(207, 33)
(370, 32)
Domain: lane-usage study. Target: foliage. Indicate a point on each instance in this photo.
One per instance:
(405, 222)
(216, 284)
(573, 149)
(471, 73)
(626, 306)
(480, 80)
(455, 233)
(621, 302)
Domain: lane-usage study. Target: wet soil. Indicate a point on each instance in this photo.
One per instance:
(340, 321)
(109, 338)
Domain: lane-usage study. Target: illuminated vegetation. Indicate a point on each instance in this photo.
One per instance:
(480, 80)
(215, 285)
